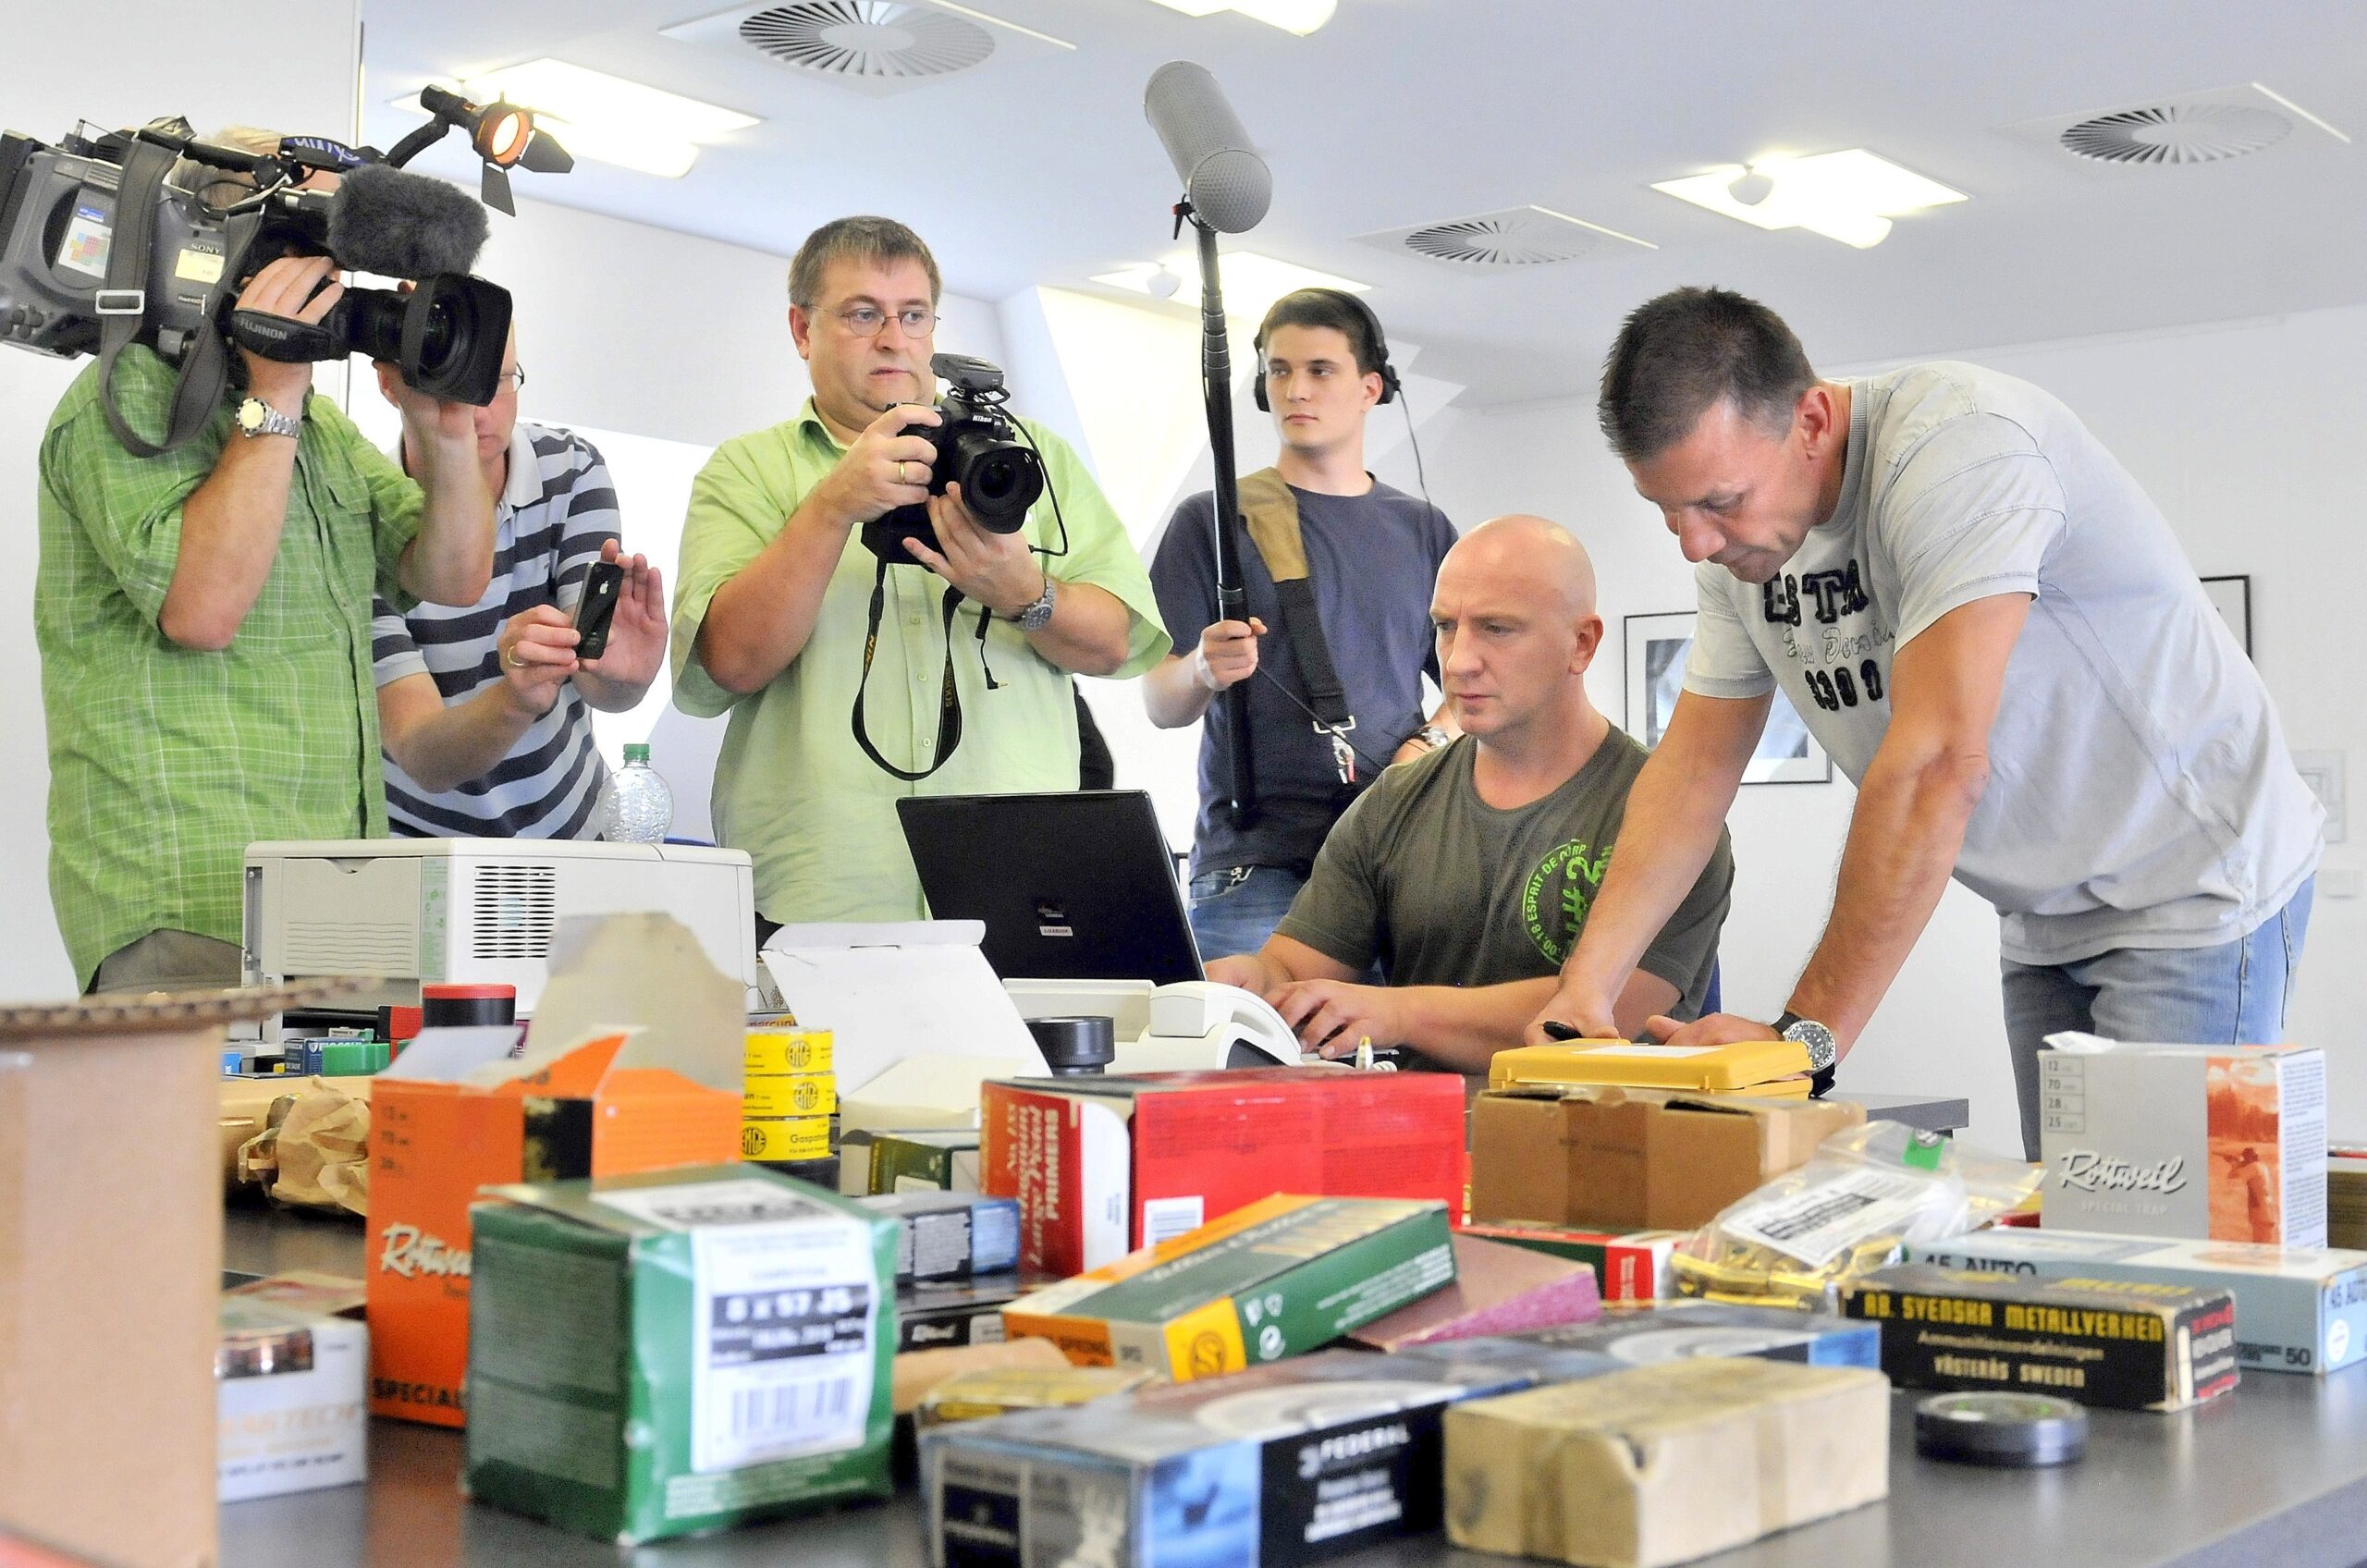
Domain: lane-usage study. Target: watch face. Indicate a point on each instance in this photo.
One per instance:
(1822, 1047)
(250, 414)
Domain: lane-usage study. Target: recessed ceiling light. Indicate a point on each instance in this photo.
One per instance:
(1301, 16)
(608, 119)
(1251, 281)
(1849, 196)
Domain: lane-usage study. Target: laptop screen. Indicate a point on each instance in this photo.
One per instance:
(1074, 886)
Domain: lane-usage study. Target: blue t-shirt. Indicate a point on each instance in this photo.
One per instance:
(1373, 558)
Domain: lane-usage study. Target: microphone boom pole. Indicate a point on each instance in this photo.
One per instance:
(1226, 190)
(1233, 598)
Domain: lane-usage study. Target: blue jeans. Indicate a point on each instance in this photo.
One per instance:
(1233, 911)
(2234, 994)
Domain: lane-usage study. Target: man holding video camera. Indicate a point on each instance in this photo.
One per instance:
(485, 710)
(204, 621)
(786, 618)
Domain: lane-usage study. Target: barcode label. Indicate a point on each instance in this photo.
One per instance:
(1166, 1219)
(787, 1331)
(789, 1410)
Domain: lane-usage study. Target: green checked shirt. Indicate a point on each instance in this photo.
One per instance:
(165, 762)
(791, 787)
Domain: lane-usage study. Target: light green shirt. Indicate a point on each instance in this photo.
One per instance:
(165, 762)
(791, 787)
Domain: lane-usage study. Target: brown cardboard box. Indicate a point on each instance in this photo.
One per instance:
(1666, 1464)
(111, 1271)
(1632, 1159)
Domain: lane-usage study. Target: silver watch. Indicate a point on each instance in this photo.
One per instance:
(256, 417)
(1433, 736)
(1037, 616)
(1822, 1049)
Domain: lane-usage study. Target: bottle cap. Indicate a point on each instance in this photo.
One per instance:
(636, 751)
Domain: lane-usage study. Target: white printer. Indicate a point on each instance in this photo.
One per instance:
(418, 911)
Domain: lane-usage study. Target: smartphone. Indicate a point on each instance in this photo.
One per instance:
(602, 586)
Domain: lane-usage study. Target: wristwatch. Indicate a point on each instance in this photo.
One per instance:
(1433, 736)
(256, 417)
(1822, 1049)
(1037, 616)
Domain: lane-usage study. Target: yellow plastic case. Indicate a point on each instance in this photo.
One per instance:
(785, 1137)
(1753, 1066)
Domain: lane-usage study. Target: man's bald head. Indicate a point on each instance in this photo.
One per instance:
(1533, 550)
(1517, 627)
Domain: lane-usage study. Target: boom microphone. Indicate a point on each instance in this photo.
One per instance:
(1228, 185)
(400, 224)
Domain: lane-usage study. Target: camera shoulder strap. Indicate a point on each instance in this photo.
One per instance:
(948, 712)
(205, 367)
(1271, 513)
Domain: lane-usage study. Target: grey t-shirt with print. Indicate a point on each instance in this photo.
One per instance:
(1445, 889)
(2140, 794)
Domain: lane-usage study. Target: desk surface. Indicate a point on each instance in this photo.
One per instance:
(2274, 1474)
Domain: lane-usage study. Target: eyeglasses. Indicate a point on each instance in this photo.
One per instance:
(867, 321)
(511, 380)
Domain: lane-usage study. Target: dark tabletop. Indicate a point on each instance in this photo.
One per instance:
(2275, 1474)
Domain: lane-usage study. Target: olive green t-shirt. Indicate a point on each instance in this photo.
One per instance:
(1445, 889)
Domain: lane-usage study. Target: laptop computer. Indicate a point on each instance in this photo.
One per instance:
(1074, 886)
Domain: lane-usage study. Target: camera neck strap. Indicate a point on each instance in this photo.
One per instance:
(205, 368)
(949, 708)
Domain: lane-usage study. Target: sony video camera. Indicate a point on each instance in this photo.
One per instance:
(92, 230)
(979, 447)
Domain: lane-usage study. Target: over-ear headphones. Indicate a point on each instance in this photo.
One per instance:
(1379, 341)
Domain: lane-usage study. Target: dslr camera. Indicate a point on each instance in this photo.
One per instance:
(98, 251)
(979, 447)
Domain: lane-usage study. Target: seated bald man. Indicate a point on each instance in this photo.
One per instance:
(1468, 872)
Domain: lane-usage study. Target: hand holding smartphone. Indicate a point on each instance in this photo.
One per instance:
(603, 585)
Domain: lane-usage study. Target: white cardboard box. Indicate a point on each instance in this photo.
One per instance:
(289, 1392)
(2208, 1143)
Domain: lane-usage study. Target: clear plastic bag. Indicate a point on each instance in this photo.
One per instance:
(1869, 1194)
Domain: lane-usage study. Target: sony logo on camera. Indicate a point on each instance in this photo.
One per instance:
(2092, 1173)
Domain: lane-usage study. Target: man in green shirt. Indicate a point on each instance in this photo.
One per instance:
(203, 622)
(1468, 872)
(775, 591)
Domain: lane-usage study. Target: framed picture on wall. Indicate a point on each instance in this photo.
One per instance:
(1657, 648)
(2232, 597)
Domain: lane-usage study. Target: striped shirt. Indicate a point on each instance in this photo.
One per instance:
(555, 511)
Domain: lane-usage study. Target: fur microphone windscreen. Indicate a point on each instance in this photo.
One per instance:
(403, 225)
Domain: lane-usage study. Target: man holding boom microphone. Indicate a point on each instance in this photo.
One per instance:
(1358, 558)
(826, 565)
(204, 621)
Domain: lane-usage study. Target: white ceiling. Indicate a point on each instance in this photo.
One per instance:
(1041, 170)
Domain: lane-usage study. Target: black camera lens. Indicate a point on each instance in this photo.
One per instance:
(447, 336)
(999, 480)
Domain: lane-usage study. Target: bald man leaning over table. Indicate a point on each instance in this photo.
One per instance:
(1467, 873)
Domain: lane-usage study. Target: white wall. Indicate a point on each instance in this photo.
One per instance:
(2244, 432)
(67, 63)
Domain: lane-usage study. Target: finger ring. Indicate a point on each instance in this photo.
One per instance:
(902, 476)
(513, 659)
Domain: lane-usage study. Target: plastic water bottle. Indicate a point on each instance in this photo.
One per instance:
(635, 805)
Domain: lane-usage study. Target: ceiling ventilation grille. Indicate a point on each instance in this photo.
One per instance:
(867, 38)
(2176, 133)
(874, 46)
(1516, 237)
(2209, 127)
